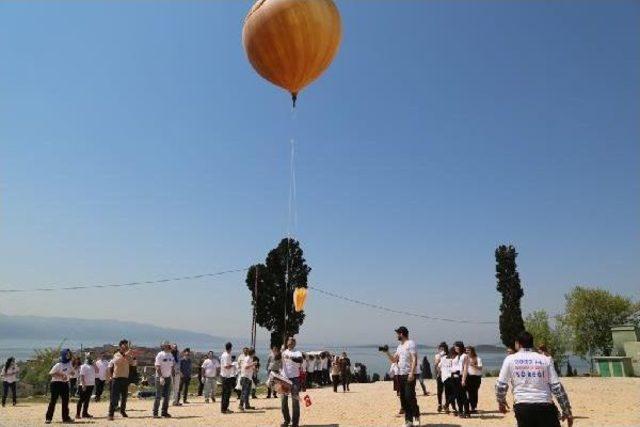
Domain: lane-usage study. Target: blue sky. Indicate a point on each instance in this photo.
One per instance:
(136, 142)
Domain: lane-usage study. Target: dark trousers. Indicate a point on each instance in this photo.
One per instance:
(344, 376)
(59, 389)
(227, 387)
(294, 417)
(335, 379)
(73, 382)
(99, 388)
(460, 395)
(449, 393)
(184, 388)
(119, 391)
(83, 403)
(5, 391)
(536, 415)
(246, 392)
(473, 385)
(408, 398)
(440, 387)
(163, 391)
(200, 385)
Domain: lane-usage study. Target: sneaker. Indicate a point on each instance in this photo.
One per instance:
(439, 408)
(124, 414)
(251, 408)
(166, 415)
(68, 421)
(206, 401)
(87, 416)
(186, 402)
(416, 421)
(47, 421)
(156, 416)
(110, 417)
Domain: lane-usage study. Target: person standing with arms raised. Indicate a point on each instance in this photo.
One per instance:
(534, 380)
(119, 373)
(291, 365)
(406, 356)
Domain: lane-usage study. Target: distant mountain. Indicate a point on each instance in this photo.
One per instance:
(96, 331)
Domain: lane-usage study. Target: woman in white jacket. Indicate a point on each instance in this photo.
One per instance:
(9, 376)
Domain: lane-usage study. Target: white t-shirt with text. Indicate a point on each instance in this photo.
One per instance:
(404, 352)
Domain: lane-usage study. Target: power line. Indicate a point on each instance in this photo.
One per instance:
(123, 285)
(391, 310)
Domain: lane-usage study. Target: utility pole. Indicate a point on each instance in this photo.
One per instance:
(255, 301)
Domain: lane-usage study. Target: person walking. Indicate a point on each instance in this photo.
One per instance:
(185, 375)
(274, 364)
(474, 378)
(9, 376)
(59, 387)
(246, 379)
(255, 380)
(76, 363)
(291, 364)
(335, 372)
(119, 374)
(534, 381)
(227, 372)
(86, 382)
(445, 364)
(459, 375)
(425, 372)
(406, 356)
(210, 370)
(101, 377)
(165, 369)
(443, 350)
(200, 376)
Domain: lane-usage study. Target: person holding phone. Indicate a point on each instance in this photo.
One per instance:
(59, 387)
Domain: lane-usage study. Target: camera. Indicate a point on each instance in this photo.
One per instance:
(384, 348)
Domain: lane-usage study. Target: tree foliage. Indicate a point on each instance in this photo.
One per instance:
(591, 313)
(511, 323)
(556, 339)
(284, 270)
(35, 372)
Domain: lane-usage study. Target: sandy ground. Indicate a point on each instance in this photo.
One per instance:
(595, 401)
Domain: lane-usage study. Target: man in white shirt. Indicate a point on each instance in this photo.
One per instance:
(86, 382)
(246, 379)
(102, 364)
(165, 370)
(291, 363)
(210, 371)
(227, 372)
(406, 356)
(534, 380)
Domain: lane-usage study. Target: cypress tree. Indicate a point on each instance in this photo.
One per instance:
(511, 323)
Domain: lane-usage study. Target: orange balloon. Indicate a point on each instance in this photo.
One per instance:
(299, 298)
(292, 42)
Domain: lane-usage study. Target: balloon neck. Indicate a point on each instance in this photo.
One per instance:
(294, 98)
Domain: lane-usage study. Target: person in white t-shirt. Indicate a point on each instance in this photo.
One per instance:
(443, 349)
(165, 365)
(406, 356)
(474, 378)
(9, 376)
(86, 382)
(459, 375)
(103, 365)
(291, 364)
(227, 372)
(59, 387)
(247, 368)
(210, 372)
(534, 381)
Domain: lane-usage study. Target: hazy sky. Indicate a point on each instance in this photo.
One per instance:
(136, 142)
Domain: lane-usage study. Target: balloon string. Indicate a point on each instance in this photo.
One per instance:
(292, 220)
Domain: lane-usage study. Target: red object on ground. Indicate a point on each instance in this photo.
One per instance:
(307, 400)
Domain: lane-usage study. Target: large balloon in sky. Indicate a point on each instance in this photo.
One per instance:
(292, 42)
(299, 299)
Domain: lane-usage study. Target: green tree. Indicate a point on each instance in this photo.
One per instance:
(35, 372)
(591, 313)
(284, 270)
(511, 323)
(556, 338)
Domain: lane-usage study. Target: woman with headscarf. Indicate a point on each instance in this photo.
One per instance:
(60, 387)
(9, 376)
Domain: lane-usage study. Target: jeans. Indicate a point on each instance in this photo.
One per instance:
(201, 381)
(536, 415)
(99, 388)
(184, 388)
(408, 398)
(59, 389)
(473, 385)
(175, 388)
(83, 403)
(209, 390)
(246, 392)
(119, 391)
(163, 391)
(227, 387)
(294, 418)
(5, 391)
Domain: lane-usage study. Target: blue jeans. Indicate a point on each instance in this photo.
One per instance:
(246, 392)
(163, 391)
(294, 418)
